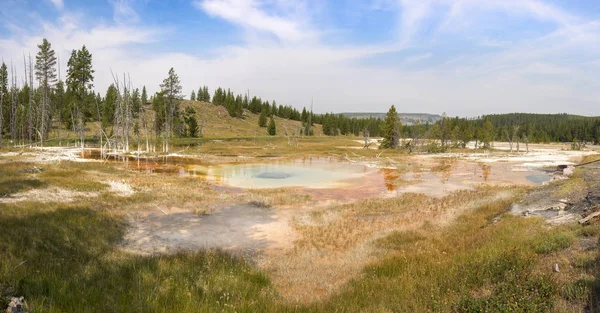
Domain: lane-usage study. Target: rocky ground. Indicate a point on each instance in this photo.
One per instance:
(564, 200)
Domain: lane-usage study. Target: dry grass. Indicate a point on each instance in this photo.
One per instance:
(275, 197)
(218, 123)
(335, 243)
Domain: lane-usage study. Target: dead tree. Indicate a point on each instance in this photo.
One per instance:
(367, 138)
(122, 118)
(292, 135)
(30, 100)
(512, 137)
(13, 105)
(509, 138)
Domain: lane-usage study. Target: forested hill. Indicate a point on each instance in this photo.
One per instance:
(405, 118)
(548, 127)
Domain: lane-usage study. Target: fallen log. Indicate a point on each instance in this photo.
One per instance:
(589, 217)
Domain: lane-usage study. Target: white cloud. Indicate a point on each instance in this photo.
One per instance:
(418, 58)
(249, 14)
(58, 3)
(124, 11)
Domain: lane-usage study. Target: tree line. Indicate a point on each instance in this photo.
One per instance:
(514, 128)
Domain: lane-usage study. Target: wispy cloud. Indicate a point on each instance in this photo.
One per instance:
(124, 11)
(251, 14)
(418, 58)
(58, 3)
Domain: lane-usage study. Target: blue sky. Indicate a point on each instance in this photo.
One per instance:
(462, 57)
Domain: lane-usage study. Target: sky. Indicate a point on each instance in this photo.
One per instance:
(461, 57)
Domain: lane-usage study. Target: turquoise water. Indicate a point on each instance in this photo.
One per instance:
(319, 173)
(538, 178)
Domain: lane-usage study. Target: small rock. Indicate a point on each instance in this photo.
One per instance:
(16, 305)
(568, 171)
(555, 268)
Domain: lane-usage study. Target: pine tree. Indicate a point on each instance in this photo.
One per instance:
(391, 130)
(45, 72)
(272, 129)
(200, 95)
(109, 105)
(171, 88)
(191, 121)
(262, 119)
(193, 96)
(487, 133)
(144, 96)
(206, 94)
(136, 103)
(79, 79)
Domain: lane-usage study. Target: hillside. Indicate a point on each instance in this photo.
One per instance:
(405, 118)
(218, 123)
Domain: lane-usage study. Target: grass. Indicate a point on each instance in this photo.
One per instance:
(13, 179)
(275, 197)
(65, 259)
(460, 253)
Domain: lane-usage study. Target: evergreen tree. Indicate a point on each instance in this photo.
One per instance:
(171, 89)
(109, 106)
(193, 96)
(200, 95)
(136, 103)
(144, 96)
(245, 102)
(262, 119)
(272, 129)
(487, 133)
(79, 79)
(45, 72)
(206, 94)
(390, 130)
(191, 122)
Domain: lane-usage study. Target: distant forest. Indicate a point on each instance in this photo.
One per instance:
(537, 128)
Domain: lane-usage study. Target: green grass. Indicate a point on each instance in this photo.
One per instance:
(13, 179)
(553, 242)
(65, 259)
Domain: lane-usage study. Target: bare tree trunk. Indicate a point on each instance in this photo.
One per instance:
(509, 138)
(13, 106)
(126, 88)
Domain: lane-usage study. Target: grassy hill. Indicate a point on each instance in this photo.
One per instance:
(218, 123)
(405, 118)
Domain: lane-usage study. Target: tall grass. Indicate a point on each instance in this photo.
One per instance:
(64, 259)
